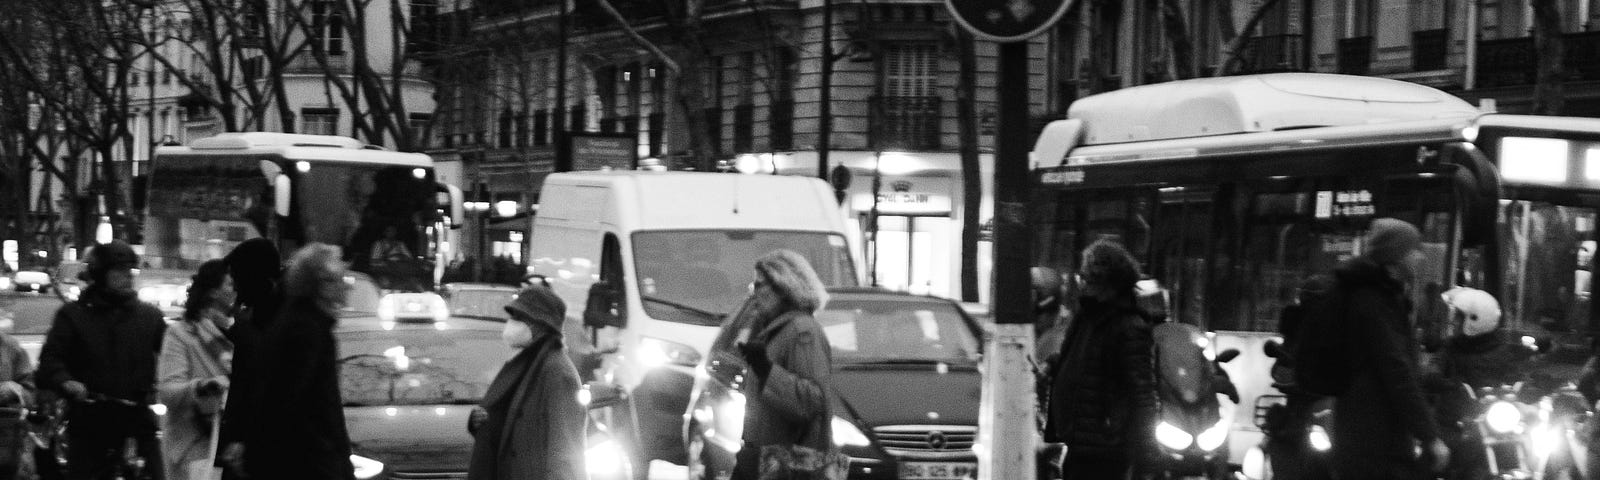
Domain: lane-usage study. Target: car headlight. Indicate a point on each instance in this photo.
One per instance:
(605, 458)
(846, 434)
(656, 352)
(1213, 437)
(5, 283)
(1503, 417)
(1319, 438)
(365, 467)
(1173, 437)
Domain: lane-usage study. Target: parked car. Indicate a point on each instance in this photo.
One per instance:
(478, 300)
(30, 281)
(906, 389)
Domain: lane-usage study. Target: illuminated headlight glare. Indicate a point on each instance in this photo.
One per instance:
(387, 310)
(585, 396)
(605, 458)
(440, 309)
(1255, 464)
(1503, 417)
(1544, 440)
(5, 283)
(1173, 437)
(846, 434)
(1319, 439)
(158, 408)
(1213, 437)
(656, 352)
(365, 467)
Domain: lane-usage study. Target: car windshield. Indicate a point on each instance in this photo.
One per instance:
(418, 366)
(697, 276)
(898, 331)
(27, 314)
(480, 302)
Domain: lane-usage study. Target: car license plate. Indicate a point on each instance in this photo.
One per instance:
(938, 470)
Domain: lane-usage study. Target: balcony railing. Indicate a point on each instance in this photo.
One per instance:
(1273, 53)
(1514, 61)
(1429, 48)
(1355, 55)
(905, 123)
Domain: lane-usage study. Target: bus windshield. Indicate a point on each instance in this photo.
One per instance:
(201, 207)
(698, 276)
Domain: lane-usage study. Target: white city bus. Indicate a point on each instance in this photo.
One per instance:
(1232, 191)
(207, 197)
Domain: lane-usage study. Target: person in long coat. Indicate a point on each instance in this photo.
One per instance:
(299, 428)
(193, 375)
(534, 426)
(789, 360)
(256, 268)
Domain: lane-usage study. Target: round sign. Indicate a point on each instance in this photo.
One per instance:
(840, 177)
(1007, 20)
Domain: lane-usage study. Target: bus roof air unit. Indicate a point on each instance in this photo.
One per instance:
(1257, 103)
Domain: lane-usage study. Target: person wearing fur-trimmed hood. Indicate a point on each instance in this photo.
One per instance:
(531, 424)
(789, 360)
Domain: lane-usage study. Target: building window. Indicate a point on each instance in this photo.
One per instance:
(906, 113)
(910, 69)
(505, 129)
(418, 124)
(319, 121)
(327, 27)
(1357, 18)
(541, 128)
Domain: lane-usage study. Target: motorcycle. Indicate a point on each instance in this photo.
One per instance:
(1295, 427)
(1194, 425)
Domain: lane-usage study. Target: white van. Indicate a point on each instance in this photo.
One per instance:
(650, 262)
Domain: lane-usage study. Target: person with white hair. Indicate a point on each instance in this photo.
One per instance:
(789, 358)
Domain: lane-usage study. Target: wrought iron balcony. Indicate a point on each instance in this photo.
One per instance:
(905, 123)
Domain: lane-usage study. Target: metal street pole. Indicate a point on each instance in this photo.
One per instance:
(563, 161)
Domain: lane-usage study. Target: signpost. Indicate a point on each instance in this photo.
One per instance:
(1007, 423)
(593, 151)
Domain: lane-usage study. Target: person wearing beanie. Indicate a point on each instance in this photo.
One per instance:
(530, 423)
(1102, 402)
(106, 343)
(256, 268)
(1383, 413)
(788, 358)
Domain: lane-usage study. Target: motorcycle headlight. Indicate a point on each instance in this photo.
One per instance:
(846, 433)
(1319, 439)
(1503, 417)
(365, 467)
(1213, 437)
(1173, 437)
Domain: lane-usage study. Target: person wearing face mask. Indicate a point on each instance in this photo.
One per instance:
(193, 373)
(100, 354)
(299, 429)
(530, 423)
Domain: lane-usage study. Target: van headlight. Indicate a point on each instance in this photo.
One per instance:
(1319, 439)
(846, 434)
(656, 352)
(1213, 437)
(1173, 437)
(605, 458)
(365, 467)
(1503, 417)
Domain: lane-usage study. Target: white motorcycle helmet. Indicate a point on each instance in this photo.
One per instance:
(1477, 310)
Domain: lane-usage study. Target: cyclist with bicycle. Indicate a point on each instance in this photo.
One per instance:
(101, 355)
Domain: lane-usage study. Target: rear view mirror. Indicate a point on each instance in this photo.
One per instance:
(604, 306)
(1227, 355)
(600, 395)
(1273, 349)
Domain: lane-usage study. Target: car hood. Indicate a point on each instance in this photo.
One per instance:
(412, 437)
(910, 394)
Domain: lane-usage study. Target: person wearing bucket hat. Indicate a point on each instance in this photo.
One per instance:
(106, 343)
(1382, 413)
(530, 423)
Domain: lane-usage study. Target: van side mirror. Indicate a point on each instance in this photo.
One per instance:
(600, 395)
(1227, 355)
(1273, 349)
(604, 306)
(282, 188)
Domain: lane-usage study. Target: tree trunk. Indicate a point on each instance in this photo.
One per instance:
(1231, 53)
(1551, 50)
(971, 170)
(1177, 28)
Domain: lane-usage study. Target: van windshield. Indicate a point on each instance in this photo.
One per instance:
(697, 276)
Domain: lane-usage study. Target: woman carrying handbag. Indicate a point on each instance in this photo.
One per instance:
(787, 422)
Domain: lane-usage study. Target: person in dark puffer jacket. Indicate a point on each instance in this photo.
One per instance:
(1103, 402)
(106, 344)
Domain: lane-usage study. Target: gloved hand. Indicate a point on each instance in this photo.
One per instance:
(75, 390)
(476, 419)
(212, 386)
(755, 354)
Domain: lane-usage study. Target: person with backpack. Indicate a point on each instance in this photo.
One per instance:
(1103, 402)
(1355, 345)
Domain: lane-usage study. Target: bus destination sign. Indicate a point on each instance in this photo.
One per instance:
(1344, 204)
